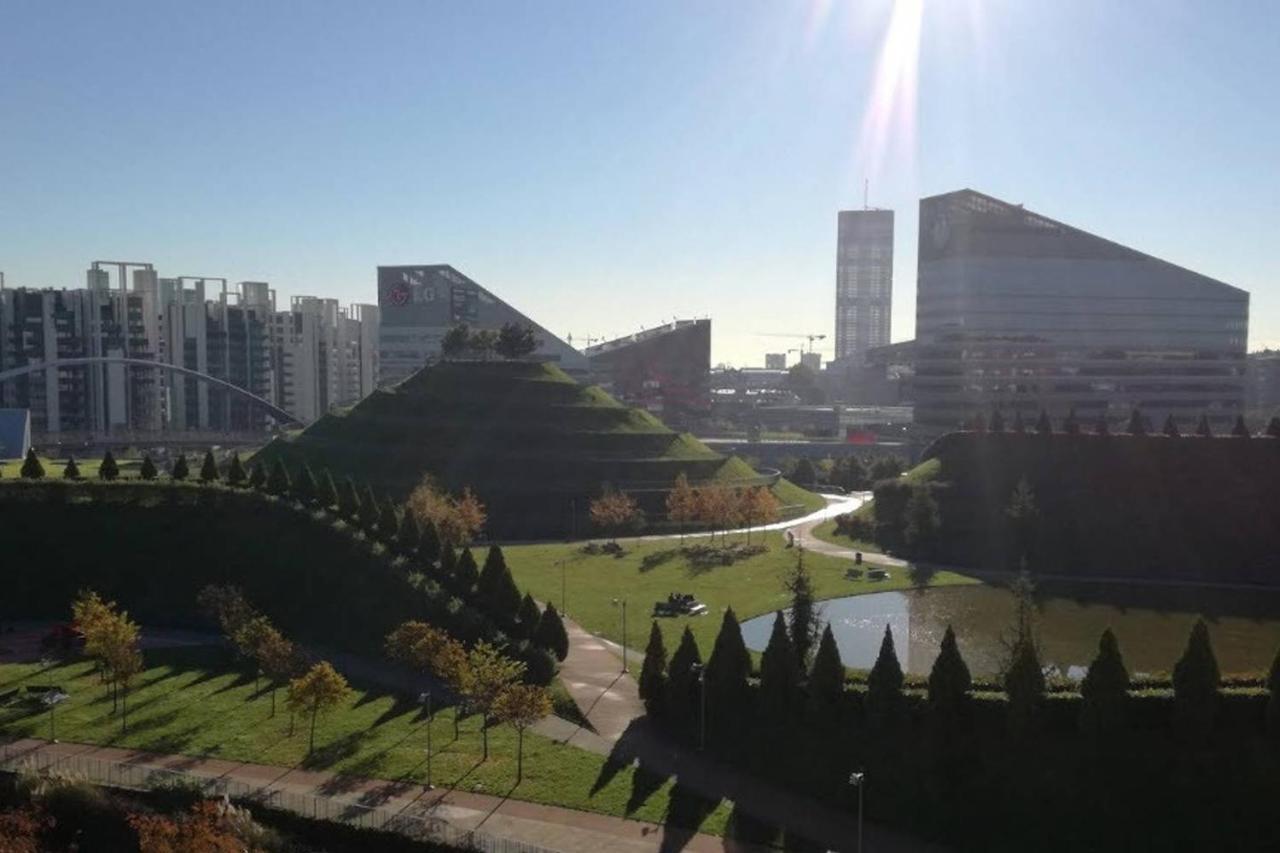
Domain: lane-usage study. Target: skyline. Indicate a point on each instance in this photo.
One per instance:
(590, 164)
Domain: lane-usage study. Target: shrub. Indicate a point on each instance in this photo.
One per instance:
(235, 472)
(278, 480)
(257, 476)
(72, 470)
(552, 636)
(180, 469)
(148, 469)
(108, 470)
(209, 468)
(32, 468)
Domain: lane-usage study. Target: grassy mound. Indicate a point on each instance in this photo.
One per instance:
(533, 443)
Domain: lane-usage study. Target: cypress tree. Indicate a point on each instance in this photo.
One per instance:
(235, 471)
(1136, 425)
(349, 500)
(779, 673)
(1024, 683)
(1273, 428)
(108, 470)
(1240, 430)
(1105, 689)
(209, 468)
(32, 468)
(448, 564)
(653, 674)
(1195, 682)
(180, 468)
(388, 521)
(997, 420)
(804, 625)
(949, 680)
(728, 669)
(1043, 424)
(826, 681)
(429, 545)
(682, 680)
(148, 469)
(884, 682)
(370, 511)
(278, 480)
(552, 636)
(1019, 426)
(495, 588)
(1203, 429)
(466, 576)
(72, 470)
(326, 491)
(409, 535)
(1171, 427)
(1273, 700)
(304, 485)
(257, 476)
(528, 617)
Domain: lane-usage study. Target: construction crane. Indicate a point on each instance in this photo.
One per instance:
(809, 338)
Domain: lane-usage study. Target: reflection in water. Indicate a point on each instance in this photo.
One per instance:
(1245, 626)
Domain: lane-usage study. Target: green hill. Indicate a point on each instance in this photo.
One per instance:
(533, 443)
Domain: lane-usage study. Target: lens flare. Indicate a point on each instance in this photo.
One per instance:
(889, 120)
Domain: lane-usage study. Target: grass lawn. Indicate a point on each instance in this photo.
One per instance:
(188, 702)
(826, 531)
(650, 570)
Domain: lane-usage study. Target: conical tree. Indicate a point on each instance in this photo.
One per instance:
(429, 545)
(728, 669)
(495, 588)
(409, 536)
(109, 470)
(278, 479)
(326, 491)
(682, 682)
(653, 673)
(826, 680)
(236, 475)
(72, 470)
(1043, 425)
(1273, 428)
(349, 500)
(1240, 430)
(1019, 426)
(180, 468)
(304, 485)
(448, 565)
(1024, 683)
(1101, 427)
(465, 576)
(1171, 427)
(370, 510)
(997, 420)
(1195, 682)
(1137, 426)
(147, 471)
(388, 521)
(528, 616)
(257, 476)
(884, 682)
(209, 468)
(1203, 429)
(779, 673)
(1071, 424)
(552, 636)
(949, 681)
(1105, 689)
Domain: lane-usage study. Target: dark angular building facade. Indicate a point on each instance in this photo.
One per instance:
(1017, 312)
(665, 370)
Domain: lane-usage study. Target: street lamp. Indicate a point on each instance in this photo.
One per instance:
(564, 601)
(701, 671)
(425, 699)
(623, 603)
(858, 780)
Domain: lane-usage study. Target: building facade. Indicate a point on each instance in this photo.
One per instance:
(864, 280)
(1018, 312)
(665, 370)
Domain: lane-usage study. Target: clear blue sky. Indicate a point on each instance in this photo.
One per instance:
(607, 165)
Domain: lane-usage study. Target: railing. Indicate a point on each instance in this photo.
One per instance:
(141, 777)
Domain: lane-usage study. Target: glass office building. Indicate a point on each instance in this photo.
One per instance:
(1017, 312)
(864, 280)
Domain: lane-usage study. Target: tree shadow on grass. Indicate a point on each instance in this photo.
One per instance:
(685, 813)
(326, 755)
(654, 559)
(751, 830)
(644, 784)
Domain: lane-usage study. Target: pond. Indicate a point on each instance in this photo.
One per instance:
(1151, 624)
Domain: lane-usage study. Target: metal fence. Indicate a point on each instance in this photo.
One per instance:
(141, 777)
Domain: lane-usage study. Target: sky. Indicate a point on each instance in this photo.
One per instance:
(606, 166)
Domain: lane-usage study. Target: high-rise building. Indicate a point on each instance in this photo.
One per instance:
(775, 361)
(419, 304)
(1018, 312)
(864, 280)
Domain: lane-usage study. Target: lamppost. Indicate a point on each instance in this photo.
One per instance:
(858, 779)
(564, 601)
(701, 671)
(425, 699)
(623, 603)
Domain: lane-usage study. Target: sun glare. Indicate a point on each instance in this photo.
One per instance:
(889, 119)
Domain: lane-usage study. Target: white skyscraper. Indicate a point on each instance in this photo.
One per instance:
(864, 280)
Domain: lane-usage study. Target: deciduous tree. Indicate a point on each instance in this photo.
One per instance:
(491, 673)
(520, 706)
(613, 512)
(515, 340)
(455, 341)
(318, 690)
(682, 504)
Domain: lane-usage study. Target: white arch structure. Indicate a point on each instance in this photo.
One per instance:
(275, 411)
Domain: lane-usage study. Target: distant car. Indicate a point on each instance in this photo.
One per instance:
(679, 604)
(877, 575)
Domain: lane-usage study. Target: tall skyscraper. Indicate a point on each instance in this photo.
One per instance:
(1020, 313)
(864, 280)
